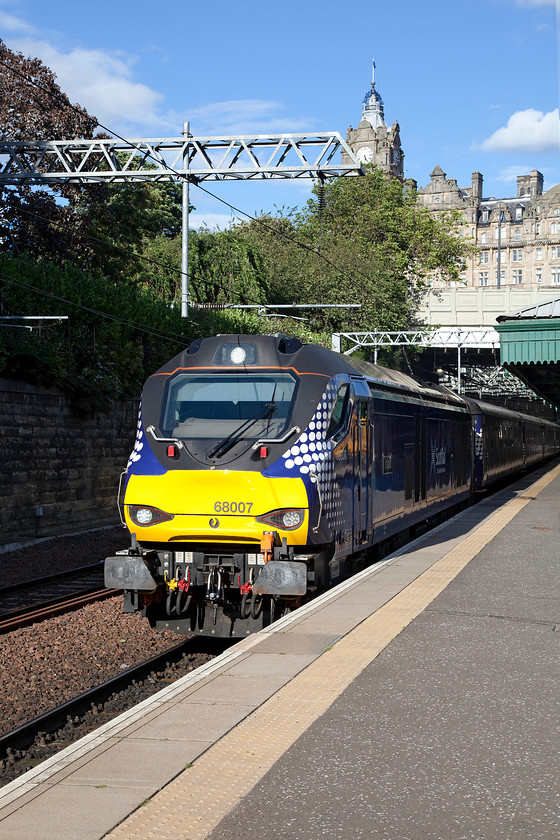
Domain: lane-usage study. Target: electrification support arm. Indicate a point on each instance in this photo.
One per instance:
(478, 337)
(243, 158)
(238, 158)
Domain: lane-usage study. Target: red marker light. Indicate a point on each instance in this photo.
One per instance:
(263, 451)
(172, 451)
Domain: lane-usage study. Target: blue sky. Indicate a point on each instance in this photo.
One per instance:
(474, 84)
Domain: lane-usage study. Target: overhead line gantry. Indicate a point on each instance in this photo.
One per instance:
(186, 159)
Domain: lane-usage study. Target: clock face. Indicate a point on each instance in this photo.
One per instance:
(364, 154)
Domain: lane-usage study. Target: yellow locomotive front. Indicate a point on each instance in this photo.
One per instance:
(225, 532)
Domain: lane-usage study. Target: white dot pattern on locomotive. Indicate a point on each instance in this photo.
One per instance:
(313, 453)
(138, 443)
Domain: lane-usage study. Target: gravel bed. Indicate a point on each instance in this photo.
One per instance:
(61, 553)
(59, 658)
(52, 661)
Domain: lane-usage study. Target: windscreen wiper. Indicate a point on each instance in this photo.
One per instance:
(228, 442)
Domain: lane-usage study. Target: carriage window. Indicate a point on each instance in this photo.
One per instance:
(339, 411)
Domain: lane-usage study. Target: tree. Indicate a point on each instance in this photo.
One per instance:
(101, 227)
(32, 107)
(359, 240)
(224, 267)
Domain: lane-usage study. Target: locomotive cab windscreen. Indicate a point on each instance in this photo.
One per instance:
(215, 405)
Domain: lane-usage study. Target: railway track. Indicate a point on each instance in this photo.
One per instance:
(43, 736)
(25, 603)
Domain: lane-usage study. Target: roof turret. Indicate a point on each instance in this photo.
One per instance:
(372, 111)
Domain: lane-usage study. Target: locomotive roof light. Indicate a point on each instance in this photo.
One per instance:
(238, 355)
(244, 353)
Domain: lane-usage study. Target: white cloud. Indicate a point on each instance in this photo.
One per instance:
(511, 173)
(11, 23)
(102, 83)
(526, 131)
(223, 221)
(242, 116)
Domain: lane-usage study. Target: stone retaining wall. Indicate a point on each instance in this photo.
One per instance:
(58, 473)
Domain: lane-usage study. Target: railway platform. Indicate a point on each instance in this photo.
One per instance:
(417, 700)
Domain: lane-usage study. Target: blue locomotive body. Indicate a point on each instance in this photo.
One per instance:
(265, 470)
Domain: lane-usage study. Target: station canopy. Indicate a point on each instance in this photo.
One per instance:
(530, 347)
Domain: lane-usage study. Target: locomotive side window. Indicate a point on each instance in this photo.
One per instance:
(338, 415)
(213, 405)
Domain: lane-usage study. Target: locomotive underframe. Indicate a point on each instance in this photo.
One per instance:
(221, 591)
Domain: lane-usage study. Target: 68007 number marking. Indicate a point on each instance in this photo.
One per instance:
(233, 507)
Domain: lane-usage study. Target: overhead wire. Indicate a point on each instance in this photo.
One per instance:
(174, 337)
(125, 250)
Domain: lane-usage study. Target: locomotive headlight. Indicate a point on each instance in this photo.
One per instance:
(288, 520)
(144, 515)
(292, 518)
(238, 355)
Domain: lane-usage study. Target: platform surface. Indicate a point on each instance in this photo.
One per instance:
(418, 700)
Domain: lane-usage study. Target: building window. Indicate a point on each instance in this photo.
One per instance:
(502, 277)
(554, 252)
(557, 211)
(517, 275)
(538, 253)
(485, 215)
(483, 257)
(538, 275)
(538, 228)
(482, 278)
(517, 235)
(555, 276)
(483, 237)
(517, 255)
(554, 227)
(519, 212)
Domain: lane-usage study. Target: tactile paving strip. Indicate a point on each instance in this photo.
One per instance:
(200, 797)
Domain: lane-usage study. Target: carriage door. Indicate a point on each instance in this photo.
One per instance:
(362, 468)
(420, 459)
(415, 456)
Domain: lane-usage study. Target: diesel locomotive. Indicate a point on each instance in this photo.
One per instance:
(265, 470)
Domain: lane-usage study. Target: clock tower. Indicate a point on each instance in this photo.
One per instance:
(372, 141)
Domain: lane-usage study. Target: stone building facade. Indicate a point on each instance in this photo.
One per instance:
(517, 239)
